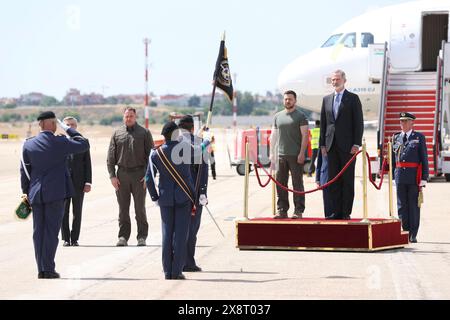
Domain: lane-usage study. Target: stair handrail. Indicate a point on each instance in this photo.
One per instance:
(437, 143)
(383, 100)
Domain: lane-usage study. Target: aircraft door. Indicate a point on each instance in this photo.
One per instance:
(405, 42)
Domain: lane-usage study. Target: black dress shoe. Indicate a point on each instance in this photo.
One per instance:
(333, 216)
(192, 269)
(167, 277)
(75, 244)
(413, 240)
(41, 275)
(179, 277)
(50, 275)
(66, 244)
(345, 217)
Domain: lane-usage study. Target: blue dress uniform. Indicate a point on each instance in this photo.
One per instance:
(45, 159)
(175, 205)
(411, 166)
(199, 173)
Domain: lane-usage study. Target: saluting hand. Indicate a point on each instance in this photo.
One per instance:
(116, 183)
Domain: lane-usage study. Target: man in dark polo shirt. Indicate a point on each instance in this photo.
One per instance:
(129, 150)
(290, 136)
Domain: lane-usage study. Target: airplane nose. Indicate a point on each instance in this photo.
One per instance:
(291, 76)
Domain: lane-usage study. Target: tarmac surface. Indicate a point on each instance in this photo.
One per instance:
(97, 269)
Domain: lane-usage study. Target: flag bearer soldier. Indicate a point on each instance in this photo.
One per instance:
(175, 199)
(411, 173)
(199, 172)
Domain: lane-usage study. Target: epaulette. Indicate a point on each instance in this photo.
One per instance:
(30, 138)
(396, 134)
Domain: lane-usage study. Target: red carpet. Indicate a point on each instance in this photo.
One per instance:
(320, 234)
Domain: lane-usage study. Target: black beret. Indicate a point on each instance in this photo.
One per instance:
(186, 120)
(46, 115)
(407, 116)
(168, 128)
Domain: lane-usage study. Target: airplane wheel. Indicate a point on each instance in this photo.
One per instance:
(447, 177)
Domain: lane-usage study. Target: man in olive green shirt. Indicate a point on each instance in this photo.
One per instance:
(129, 149)
(290, 136)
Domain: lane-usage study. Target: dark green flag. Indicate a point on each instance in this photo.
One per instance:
(222, 74)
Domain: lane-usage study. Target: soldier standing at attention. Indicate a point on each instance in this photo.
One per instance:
(411, 173)
(129, 149)
(175, 199)
(46, 182)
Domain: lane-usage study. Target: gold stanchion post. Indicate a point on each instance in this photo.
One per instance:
(274, 199)
(391, 194)
(247, 176)
(364, 159)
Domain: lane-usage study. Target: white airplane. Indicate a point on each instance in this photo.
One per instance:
(414, 32)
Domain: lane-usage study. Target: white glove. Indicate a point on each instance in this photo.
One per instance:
(206, 135)
(62, 125)
(202, 200)
(423, 183)
(156, 203)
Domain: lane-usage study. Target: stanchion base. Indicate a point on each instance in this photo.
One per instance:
(318, 234)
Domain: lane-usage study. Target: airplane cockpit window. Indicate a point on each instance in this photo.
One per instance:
(332, 40)
(366, 39)
(349, 40)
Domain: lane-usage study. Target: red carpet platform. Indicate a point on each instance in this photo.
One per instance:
(320, 235)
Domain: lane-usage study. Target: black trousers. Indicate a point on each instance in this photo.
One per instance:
(212, 162)
(289, 164)
(312, 166)
(77, 208)
(342, 192)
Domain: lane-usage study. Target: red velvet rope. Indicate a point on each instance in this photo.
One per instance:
(271, 178)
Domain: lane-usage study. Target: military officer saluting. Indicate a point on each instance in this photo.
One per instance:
(411, 173)
(46, 181)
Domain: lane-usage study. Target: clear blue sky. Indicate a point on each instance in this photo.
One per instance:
(50, 46)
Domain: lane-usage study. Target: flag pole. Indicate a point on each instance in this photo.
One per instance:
(208, 121)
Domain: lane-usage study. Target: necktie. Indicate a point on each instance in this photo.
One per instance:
(337, 102)
(405, 138)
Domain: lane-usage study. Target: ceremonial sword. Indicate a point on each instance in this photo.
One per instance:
(210, 214)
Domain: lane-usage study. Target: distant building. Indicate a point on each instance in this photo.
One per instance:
(173, 100)
(8, 101)
(31, 99)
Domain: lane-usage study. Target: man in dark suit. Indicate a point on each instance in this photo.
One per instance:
(81, 173)
(411, 173)
(341, 131)
(175, 198)
(46, 182)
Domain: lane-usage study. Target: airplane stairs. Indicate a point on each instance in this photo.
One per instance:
(413, 92)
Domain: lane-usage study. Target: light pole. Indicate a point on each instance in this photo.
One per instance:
(146, 102)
